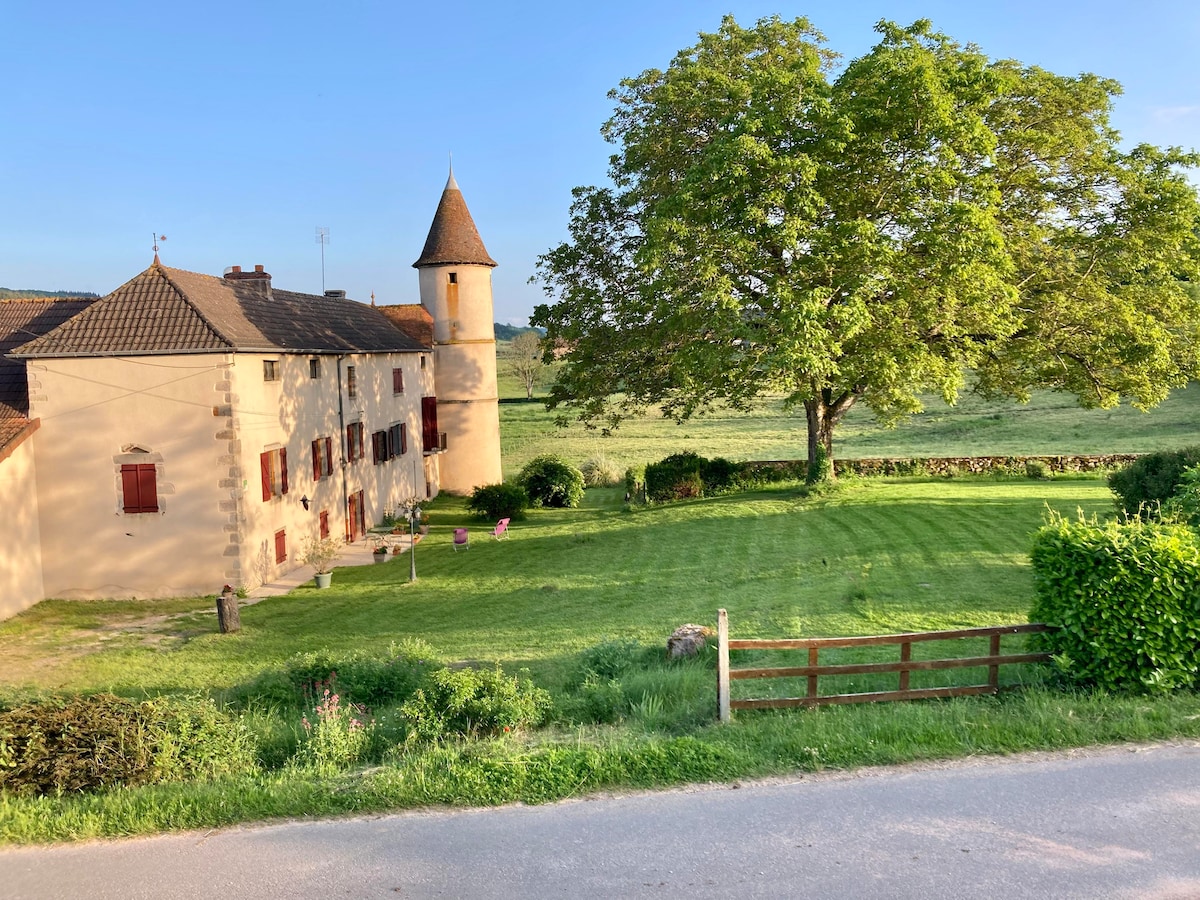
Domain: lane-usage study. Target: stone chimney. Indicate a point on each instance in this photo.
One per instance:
(258, 278)
(335, 295)
(235, 273)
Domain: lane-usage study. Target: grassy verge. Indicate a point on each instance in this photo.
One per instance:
(583, 600)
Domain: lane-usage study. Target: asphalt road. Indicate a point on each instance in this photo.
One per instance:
(1121, 822)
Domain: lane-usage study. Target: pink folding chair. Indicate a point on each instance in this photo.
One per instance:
(461, 539)
(501, 529)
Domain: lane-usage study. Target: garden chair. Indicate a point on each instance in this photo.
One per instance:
(501, 529)
(461, 539)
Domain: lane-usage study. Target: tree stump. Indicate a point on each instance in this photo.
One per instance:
(228, 618)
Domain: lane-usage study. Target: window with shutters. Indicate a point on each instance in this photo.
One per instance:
(397, 440)
(281, 545)
(322, 457)
(397, 381)
(379, 447)
(324, 520)
(139, 488)
(274, 473)
(355, 441)
(430, 439)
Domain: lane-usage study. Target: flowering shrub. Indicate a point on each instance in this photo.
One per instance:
(336, 736)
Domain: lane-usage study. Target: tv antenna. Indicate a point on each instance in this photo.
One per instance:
(322, 239)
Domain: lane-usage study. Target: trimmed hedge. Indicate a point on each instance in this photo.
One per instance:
(499, 501)
(685, 475)
(1124, 598)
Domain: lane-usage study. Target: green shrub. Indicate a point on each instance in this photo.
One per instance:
(685, 475)
(596, 701)
(473, 702)
(499, 501)
(1123, 600)
(360, 677)
(608, 660)
(635, 481)
(1184, 505)
(1151, 479)
(101, 741)
(600, 471)
(718, 475)
(1037, 470)
(552, 482)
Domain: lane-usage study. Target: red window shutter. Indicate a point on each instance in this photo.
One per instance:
(324, 519)
(429, 424)
(147, 489)
(283, 471)
(397, 381)
(139, 489)
(316, 451)
(403, 438)
(281, 545)
(264, 460)
(328, 456)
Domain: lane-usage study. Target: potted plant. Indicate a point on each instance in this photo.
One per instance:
(320, 554)
(380, 550)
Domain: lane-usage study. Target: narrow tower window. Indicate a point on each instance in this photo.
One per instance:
(454, 278)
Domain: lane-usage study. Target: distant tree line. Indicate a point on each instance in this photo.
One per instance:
(508, 332)
(10, 294)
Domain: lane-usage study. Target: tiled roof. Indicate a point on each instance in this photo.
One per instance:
(21, 321)
(453, 238)
(165, 310)
(413, 319)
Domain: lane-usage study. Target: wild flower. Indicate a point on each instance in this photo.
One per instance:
(337, 735)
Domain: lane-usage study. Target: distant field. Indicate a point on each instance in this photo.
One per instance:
(1049, 424)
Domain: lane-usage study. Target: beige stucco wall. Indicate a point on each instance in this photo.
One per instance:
(203, 420)
(98, 413)
(21, 567)
(293, 412)
(468, 406)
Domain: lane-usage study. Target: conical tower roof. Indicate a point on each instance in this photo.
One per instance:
(453, 238)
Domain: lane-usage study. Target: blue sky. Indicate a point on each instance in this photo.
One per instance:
(236, 129)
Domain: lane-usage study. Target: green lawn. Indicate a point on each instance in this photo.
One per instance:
(876, 556)
(871, 556)
(1050, 424)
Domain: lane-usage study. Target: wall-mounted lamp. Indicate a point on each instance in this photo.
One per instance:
(304, 501)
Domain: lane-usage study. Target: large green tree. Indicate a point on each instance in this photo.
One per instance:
(778, 223)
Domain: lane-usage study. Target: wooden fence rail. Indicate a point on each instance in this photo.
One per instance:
(906, 664)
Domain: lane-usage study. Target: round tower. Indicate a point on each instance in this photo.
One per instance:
(456, 289)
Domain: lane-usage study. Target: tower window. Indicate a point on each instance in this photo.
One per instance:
(454, 278)
(314, 368)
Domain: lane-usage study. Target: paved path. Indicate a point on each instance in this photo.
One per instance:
(1120, 823)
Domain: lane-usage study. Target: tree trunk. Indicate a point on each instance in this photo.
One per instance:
(823, 413)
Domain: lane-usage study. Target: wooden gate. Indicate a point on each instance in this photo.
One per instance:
(906, 664)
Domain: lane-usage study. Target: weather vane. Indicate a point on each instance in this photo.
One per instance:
(156, 238)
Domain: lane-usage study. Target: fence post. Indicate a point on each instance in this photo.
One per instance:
(723, 665)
